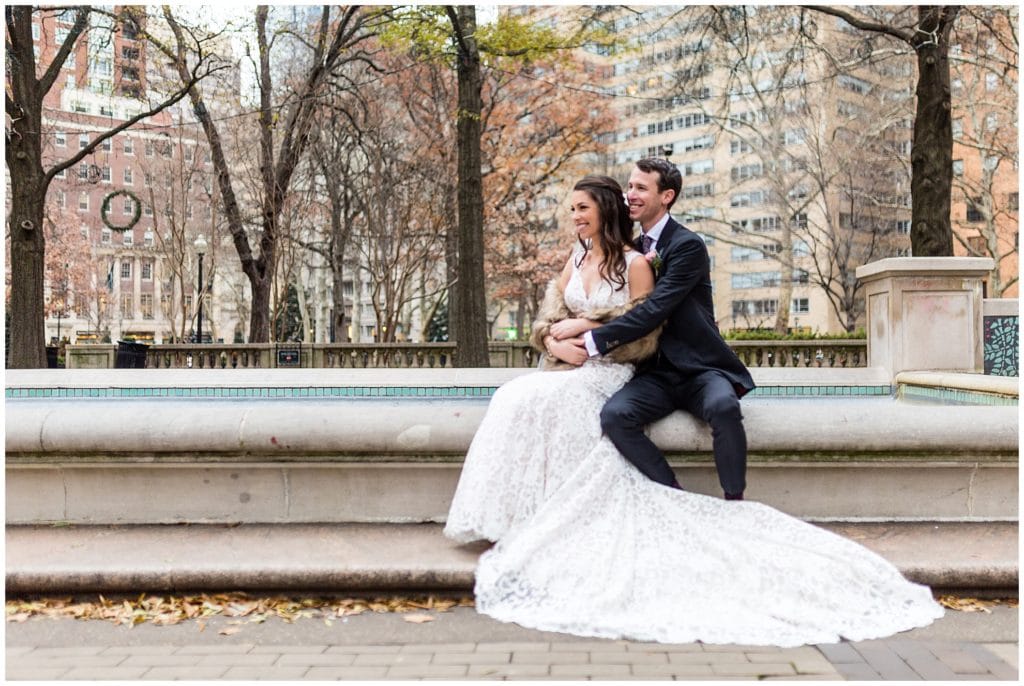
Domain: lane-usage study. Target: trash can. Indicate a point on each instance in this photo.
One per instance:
(130, 355)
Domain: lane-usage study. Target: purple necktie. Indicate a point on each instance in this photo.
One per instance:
(645, 243)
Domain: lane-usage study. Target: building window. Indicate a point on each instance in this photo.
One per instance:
(991, 82)
(750, 199)
(106, 112)
(149, 148)
(146, 305)
(742, 254)
(129, 53)
(958, 128)
(105, 236)
(147, 240)
(991, 121)
(755, 280)
(83, 172)
(130, 30)
(1013, 201)
(700, 190)
(60, 139)
(698, 167)
(903, 227)
(129, 206)
(991, 162)
(128, 176)
(147, 210)
(746, 171)
(757, 224)
(128, 238)
(188, 153)
(62, 174)
(85, 232)
(127, 306)
(81, 107)
(126, 269)
(127, 146)
(958, 167)
(973, 212)
(753, 308)
(83, 201)
(147, 179)
(800, 306)
(147, 267)
(105, 174)
(83, 141)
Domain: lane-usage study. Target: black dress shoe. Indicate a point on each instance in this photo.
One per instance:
(734, 496)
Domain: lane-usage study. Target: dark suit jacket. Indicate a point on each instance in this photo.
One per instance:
(681, 298)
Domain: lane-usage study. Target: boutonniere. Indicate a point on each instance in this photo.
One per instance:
(654, 259)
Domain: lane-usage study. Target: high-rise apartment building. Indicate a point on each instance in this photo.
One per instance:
(986, 179)
(793, 135)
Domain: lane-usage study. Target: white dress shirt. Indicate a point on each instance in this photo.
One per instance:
(654, 233)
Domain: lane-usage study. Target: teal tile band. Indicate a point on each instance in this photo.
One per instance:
(909, 393)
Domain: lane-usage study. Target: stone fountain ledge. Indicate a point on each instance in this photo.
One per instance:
(248, 378)
(980, 383)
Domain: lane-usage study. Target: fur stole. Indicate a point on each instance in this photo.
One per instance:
(553, 309)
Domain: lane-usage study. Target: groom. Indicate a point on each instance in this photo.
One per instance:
(694, 369)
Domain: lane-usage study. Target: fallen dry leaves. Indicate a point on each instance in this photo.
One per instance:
(974, 604)
(172, 609)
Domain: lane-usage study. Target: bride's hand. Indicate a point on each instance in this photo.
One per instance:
(571, 350)
(569, 328)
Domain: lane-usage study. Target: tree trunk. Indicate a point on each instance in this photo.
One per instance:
(469, 305)
(932, 155)
(259, 316)
(786, 271)
(28, 345)
(28, 198)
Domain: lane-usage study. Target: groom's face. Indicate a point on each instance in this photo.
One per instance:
(646, 203)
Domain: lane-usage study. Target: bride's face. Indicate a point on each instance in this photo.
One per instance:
(585, 216)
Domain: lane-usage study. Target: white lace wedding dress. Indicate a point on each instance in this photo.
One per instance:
(587, 545)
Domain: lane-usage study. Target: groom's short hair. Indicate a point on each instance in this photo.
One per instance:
(669, 177)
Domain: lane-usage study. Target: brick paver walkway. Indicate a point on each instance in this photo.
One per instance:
(868, 660)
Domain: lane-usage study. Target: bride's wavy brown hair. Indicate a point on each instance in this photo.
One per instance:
(616, 226)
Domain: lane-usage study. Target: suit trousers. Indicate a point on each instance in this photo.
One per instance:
(657, 392)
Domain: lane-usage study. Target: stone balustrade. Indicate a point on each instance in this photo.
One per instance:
(848, 353)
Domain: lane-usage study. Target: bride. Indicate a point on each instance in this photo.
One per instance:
(586, 544)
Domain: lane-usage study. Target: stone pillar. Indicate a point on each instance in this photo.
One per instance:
(925, 313)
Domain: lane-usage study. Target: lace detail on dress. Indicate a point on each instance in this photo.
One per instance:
(588, 545)
(604, 295)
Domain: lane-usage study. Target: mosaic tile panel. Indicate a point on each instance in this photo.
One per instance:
(1002, 345)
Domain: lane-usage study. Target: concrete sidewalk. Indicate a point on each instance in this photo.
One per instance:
(981, 557)
(462, 644)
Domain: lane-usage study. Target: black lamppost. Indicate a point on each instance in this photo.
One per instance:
(200, 246)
